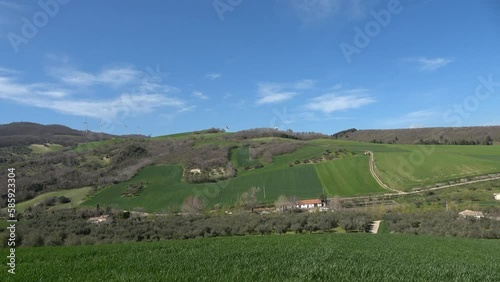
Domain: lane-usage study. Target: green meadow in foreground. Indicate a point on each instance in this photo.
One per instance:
(315, 257)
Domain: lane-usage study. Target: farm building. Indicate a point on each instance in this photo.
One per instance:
(469, 213)
(497, 196)
(99, 219)
(309, 204)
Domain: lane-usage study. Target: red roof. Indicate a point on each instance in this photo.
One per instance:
(309, 202)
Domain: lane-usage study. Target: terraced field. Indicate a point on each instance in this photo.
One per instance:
(315, 257)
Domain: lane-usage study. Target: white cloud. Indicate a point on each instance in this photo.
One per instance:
(212, 76)
(110, 76)
(62, 99)
(186, 109)
(340, 101)
(414, 119)
(417, 115)
(272, 93)
(199, 95)
(430, 64)
(304, 84)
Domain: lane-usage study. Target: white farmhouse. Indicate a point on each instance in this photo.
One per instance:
(497, 196)
(309, 204)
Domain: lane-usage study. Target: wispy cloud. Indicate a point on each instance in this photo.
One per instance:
(110, 76)
(340, 100)
(430, 64)
(272, 93)
(213, 76)
(63, 99)
(186, 109)
(412, 119)
(199, 95)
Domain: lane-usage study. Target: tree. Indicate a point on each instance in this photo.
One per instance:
(282, 204)
(192, 205)
(335, 204)
(249, 198)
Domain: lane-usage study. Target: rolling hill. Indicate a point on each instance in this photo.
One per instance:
(444, 135)
(229, 164)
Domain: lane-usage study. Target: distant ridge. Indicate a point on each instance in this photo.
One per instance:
(432, 135)
(26, 133)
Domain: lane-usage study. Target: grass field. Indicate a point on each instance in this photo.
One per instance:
(240, 157)
(165, 191)
(76, 196)
(400, 166)
(40, 149)
(300, 181)
(347, 177)
(316, 257)
(420, 166)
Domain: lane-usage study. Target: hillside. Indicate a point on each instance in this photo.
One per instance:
(442, 135)
(27, 133)
(158, 174)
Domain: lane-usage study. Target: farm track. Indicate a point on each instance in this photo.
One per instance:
(379, 181)
(400, 193)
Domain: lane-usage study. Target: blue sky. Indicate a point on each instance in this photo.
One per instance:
(308, 65)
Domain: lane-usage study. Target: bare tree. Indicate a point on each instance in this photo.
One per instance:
(249, 198)
(335, 204)
(192, 205)
(282, 204)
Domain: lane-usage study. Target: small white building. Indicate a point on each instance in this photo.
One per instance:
(99, 219)
(195, 171)
(309, 204)
(469, 213)
(497, 196)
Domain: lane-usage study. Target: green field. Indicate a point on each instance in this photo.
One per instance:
(427, 165)
(240, 157)
(346, 177)
(164, 192)
(315, 257)
(300, 181)
(76, 196)
(40, 149)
